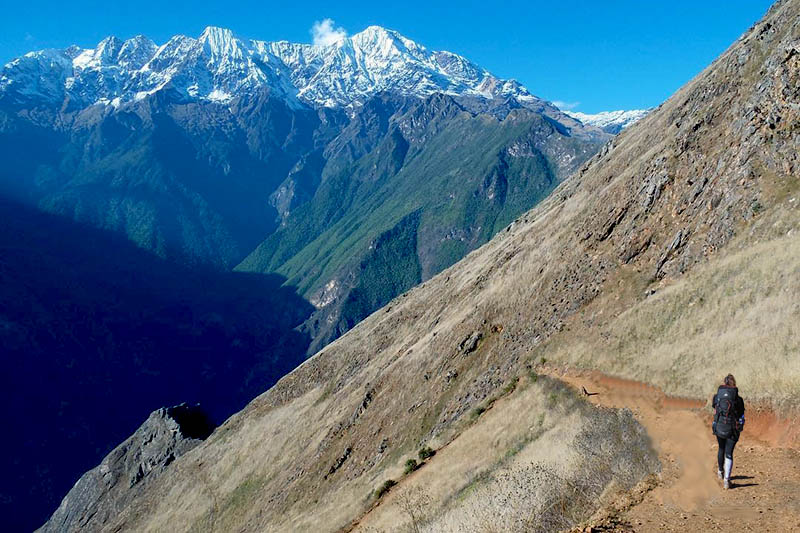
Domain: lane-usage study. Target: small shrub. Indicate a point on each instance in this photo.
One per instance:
(511, 386)
(425, 452)
(514, 450)
(543, 360)
(411, 465)
(533, 376)
(552, 400)
(384, 488)
(478, 411)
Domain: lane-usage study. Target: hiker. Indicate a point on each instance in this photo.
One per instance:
(727, 425)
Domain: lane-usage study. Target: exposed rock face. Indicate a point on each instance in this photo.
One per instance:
(167, 434)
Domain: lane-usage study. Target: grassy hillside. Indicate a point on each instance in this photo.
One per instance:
(738, 313)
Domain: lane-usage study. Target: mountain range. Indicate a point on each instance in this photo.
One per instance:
(273, 156)
(329, 179)
(218, 66)
(670, 257)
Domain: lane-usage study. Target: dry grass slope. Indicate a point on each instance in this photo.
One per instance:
(541, 459)
(739, 313)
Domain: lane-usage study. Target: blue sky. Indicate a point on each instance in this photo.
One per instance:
(592, 55)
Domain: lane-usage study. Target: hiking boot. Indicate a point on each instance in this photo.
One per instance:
(719, 474)
(726, 484)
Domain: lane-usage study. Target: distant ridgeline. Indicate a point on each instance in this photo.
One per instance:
(329, 178)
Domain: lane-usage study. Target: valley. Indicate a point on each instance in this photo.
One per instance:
(226, 162)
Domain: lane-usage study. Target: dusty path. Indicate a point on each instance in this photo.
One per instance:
(766, 476)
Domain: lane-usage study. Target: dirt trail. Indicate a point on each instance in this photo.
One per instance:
(766, 477)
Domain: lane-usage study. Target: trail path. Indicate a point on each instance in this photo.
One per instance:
(766, 476)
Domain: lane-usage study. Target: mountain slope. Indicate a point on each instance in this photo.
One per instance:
(680, 196)
(187, 181)
(420, 188)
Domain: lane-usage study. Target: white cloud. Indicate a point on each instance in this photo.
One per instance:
(566, 106)
(326, 33)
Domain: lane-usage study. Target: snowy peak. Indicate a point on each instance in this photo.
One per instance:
(136, 52)
(376, 59)
(220, 43)
(610, 121)
(381, 42)
(113, 52)
(220, 66)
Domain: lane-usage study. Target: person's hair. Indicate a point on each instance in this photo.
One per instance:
(730, 381)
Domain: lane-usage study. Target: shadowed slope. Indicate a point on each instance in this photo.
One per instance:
(96, 333)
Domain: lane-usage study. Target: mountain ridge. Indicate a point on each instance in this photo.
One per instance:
(344, 73)
(218, 65)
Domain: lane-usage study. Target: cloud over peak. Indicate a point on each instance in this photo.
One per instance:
(325, 32)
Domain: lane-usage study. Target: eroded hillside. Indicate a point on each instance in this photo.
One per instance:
(669, 257)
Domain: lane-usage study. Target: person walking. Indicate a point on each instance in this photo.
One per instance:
(727, 426)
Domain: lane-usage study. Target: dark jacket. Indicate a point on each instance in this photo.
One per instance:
(738, 409)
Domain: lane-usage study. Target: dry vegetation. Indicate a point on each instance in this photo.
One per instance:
(540, 460)
(739, 313)
(670, 257)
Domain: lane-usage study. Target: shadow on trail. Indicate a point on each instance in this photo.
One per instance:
(742, 485)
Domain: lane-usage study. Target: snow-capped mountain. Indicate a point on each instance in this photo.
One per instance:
(218, 66)
(377, 60)
(610, 121)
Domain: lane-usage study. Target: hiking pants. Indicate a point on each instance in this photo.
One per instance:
(725, 451)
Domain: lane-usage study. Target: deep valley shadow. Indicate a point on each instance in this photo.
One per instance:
(96, 333)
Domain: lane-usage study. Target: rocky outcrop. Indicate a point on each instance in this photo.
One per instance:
(167, 434)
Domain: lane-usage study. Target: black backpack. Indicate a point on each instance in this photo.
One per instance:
(724, 424)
